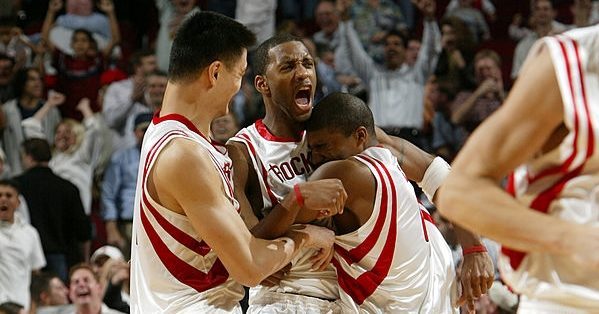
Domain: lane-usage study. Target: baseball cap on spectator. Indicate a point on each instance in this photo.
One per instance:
(104, 253)
(142, 120)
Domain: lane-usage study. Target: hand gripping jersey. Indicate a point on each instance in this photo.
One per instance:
(565, 181)
(280, 163)
(172, 269)
(397, 262)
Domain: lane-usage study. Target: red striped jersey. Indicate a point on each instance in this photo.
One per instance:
(172, 269)
(397, 262)
(565, 181)
(280, 163)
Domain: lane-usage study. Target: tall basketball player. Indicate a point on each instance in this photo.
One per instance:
(547, 133)
(191, 250)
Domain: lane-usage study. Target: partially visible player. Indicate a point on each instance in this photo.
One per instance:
(389, 256)
(547, 133)
(191, 250)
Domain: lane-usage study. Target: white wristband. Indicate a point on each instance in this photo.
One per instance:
(434, 176)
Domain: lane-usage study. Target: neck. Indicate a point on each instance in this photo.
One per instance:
(91, 308)
(543, 30)
(280, 124)
(393, 67)
(186, 101)
(28, 102)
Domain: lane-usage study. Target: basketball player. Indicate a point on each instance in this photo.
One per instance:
(389, 256)
(547, 132)
(191, 250)
(271, 165)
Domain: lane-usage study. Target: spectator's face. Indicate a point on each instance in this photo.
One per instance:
(486, 68)
(412, 52)
(395, 51)
(156, 86)
(543, 13)
(64, 138)
(81, 44)
(328, 58)
(9, 201)
(183, 6)
(223, 128)
(57, 292)
(84, 288)
(5, 34)
(80, 7)
(148, 64)
(33, 86)
(329, 144)
(326, 17)
(291, 79)
(448, 37)
(6, 67)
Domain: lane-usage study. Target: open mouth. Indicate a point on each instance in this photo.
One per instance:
(3, 208)
(302, 98)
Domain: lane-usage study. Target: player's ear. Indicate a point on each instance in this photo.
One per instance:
(261, 85)
(213, 70)
(361, 136)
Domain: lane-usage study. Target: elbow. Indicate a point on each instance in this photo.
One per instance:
(249, 276)
(450, 199)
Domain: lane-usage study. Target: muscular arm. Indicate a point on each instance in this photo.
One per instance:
(518, 130)
(249, 260)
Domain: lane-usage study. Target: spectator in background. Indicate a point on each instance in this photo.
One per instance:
(29, 92)
(258, 16)
(118, 189)
(171, 15)
(396, 90)
(114, 273)
(78, 75)
(12, 308)
(543, 24)
(470, 109)
(373, 19)
(125, 98)
(20, 248)
(79, 150)
(47, 293)
(473, 18)
(86, 291)
(412, 50)
(447, 137)
(455, 62)
(13, 43)
(486, 6)
(7, 65)
(55, 209)
(327, 19)
(222, 129)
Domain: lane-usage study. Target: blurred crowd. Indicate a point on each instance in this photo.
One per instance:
(80, 81)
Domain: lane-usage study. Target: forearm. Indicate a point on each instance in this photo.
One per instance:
(115, 34)
(48, 23)
(463, 109)
(278, 221)
(481, 206)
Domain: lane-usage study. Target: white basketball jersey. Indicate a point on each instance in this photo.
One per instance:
(397, 262)
(564, 182)
(280, 163)
(172, 269)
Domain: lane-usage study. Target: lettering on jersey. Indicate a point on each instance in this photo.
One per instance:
(288, 170)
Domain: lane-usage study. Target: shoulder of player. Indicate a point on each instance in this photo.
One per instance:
(181, 157)
(345, 170)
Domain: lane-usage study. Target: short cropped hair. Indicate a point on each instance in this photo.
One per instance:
(12, 183)
(40, 283)
(341, 112)
(261, 59)
(85, 266)
(488, 53)
(38, 149)
(204, 38)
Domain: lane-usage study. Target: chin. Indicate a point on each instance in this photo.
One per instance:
(304, 117)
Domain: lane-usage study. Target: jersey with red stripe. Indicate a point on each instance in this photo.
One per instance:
(565, 181)
(280, 163)
(172, 269)
(398, 261)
